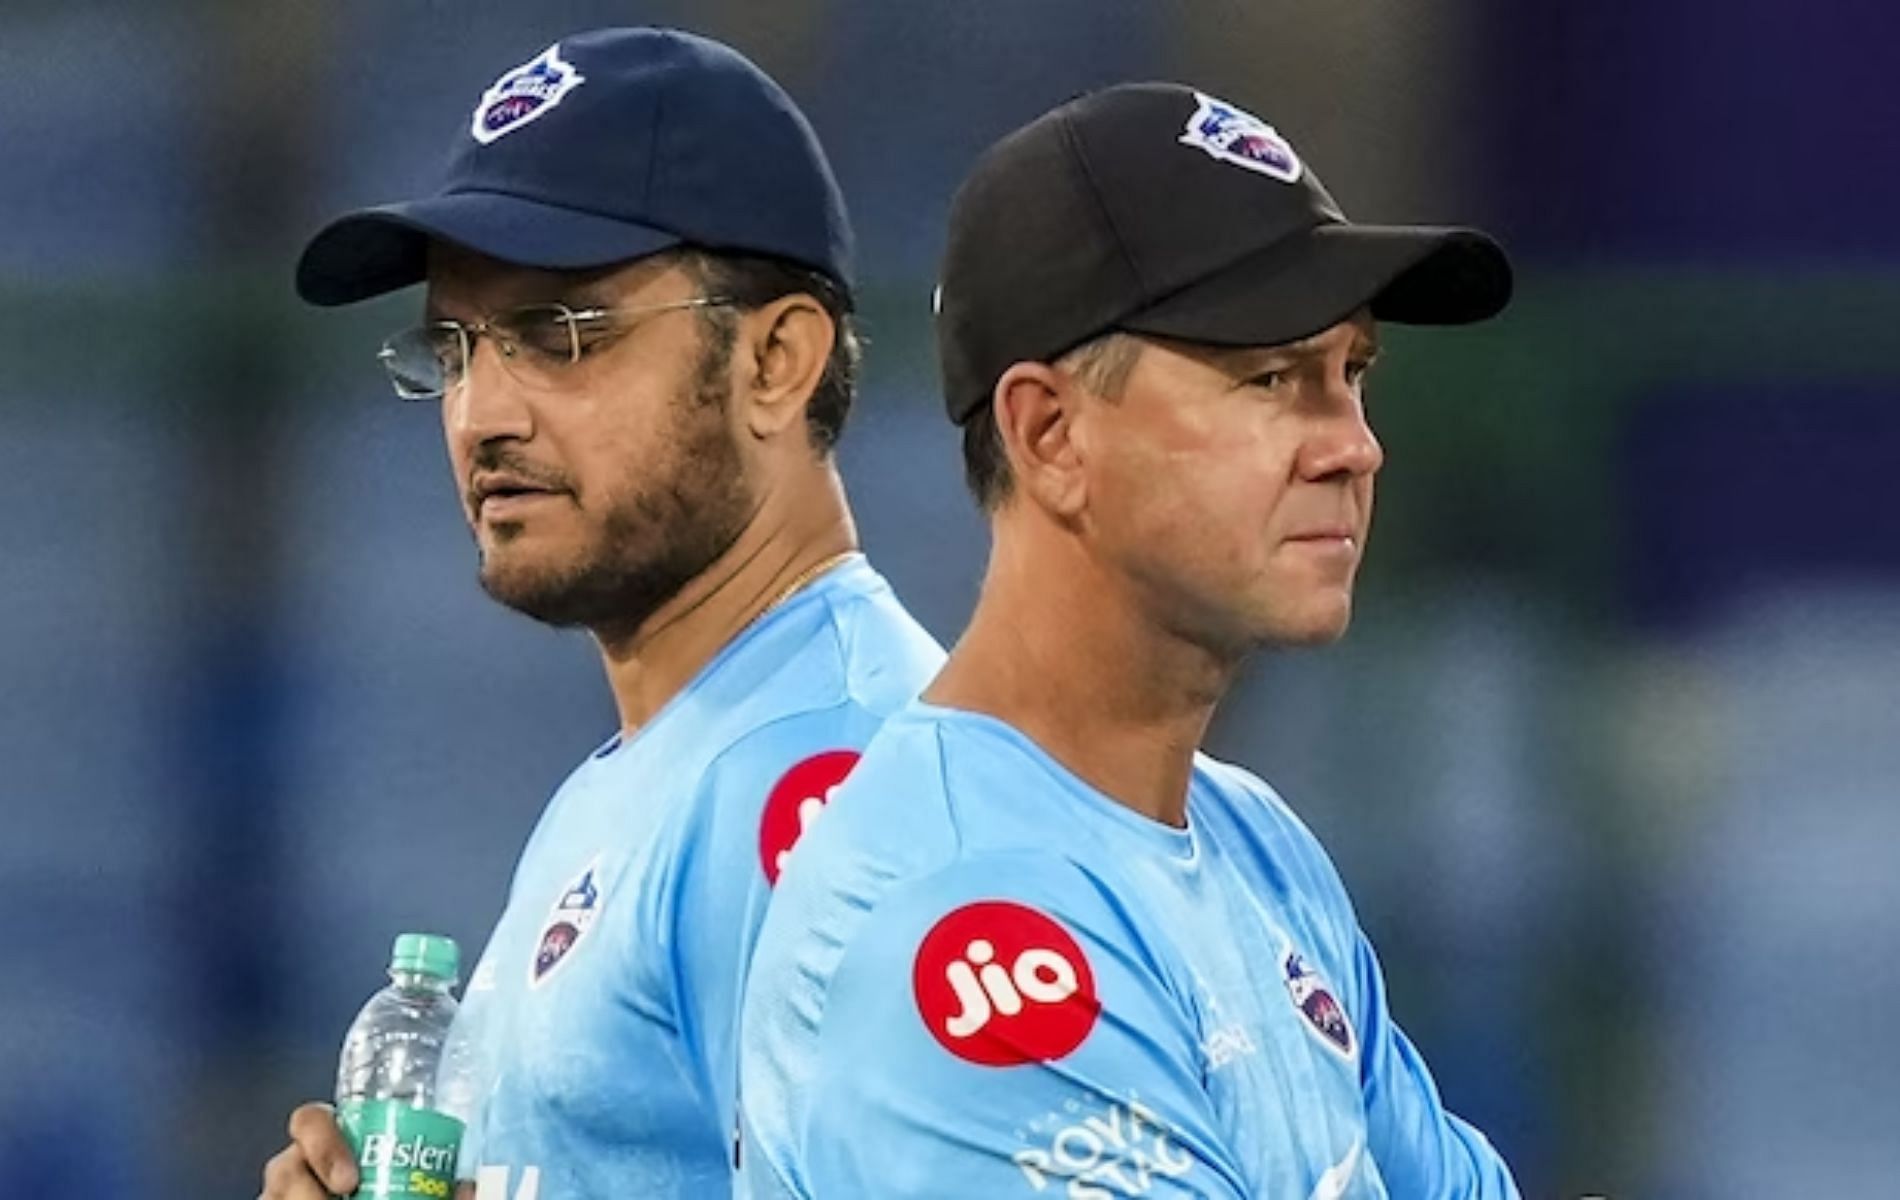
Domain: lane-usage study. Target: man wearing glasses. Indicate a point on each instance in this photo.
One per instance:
(637, 330)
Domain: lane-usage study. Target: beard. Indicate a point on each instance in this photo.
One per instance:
(671, 525)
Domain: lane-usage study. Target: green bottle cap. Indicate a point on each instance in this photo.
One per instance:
(427, 954)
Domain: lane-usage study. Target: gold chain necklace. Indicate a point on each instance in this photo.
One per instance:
(804, 577)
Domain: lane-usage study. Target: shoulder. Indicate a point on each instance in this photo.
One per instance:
(915, 1041)
(995, 957)
(1244, 797)
(884, 656)
(1036, 901)
(709, 878)
(803, 699)
(935, 787)
(845, 639)
(1251, 819)
(767, 784)
(1008, 960)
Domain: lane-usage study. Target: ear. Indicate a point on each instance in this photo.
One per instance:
(1036, 410)
(787, 345)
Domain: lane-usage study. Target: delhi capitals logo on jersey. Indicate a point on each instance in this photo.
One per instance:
(1236, 136)
(568, 921)
(529, 91)
(1316, 1003)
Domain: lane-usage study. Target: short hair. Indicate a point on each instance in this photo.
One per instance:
(751, 281)
(1100, 364)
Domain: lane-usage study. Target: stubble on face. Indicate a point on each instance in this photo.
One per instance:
(672, 519)
(1208, 511)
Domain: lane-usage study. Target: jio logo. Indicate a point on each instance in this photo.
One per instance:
(795, 802)
(1000, 984)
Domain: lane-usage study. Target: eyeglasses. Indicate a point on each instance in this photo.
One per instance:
(537, 344)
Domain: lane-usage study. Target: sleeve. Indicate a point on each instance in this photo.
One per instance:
(1000, 1029)
(753, 803)
(1421, 1149)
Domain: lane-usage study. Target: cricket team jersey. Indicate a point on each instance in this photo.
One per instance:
(604, 1010)
(985, 978)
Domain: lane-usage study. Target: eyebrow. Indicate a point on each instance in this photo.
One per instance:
(1367, 344)
(1250, 360)
(579, 297)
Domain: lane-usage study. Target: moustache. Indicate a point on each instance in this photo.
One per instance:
(495, 459)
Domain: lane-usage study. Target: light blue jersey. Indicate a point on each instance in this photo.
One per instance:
(985, 978)
(605, 1007)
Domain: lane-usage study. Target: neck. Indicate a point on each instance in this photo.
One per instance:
(1061, 649)
(796, 532)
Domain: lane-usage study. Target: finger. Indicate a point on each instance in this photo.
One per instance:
(314, 1129)
(288, 1177)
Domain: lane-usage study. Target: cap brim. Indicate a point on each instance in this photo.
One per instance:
(1413, 275)
(378, 250)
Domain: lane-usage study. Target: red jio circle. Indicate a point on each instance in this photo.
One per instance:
(795, 802)
(1000, 984)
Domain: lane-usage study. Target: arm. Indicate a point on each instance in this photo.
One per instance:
(1000, 1031)
(1421, 1149)
(738, 835)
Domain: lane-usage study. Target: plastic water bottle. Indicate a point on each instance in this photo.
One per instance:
(403, 1097)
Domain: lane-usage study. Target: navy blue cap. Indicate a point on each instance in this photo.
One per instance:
(606, 147)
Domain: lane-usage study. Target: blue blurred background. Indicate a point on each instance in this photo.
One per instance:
(1609, 759)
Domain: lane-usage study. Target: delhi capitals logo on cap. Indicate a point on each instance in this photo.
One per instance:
(529, 91)
(567, 922)
(1236, 136)
(1316, 1003)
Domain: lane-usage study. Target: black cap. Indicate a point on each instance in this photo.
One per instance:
(1158, 209)
(605, 147)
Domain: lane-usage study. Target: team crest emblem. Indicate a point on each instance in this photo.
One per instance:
(1316, 1003)
(1236, 136)
(527, 92)
(568, 921)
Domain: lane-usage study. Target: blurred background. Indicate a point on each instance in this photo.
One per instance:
(1609, 759)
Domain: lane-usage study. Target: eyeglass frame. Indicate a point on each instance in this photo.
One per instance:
(494, 328)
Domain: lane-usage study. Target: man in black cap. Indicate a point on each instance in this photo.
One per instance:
(1041, 944)
(637, 332)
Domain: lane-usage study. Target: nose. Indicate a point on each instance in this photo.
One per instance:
(1344, 446)
(485, 404)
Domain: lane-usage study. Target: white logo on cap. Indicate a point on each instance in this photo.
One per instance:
(1236, 136)
(521, 95)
